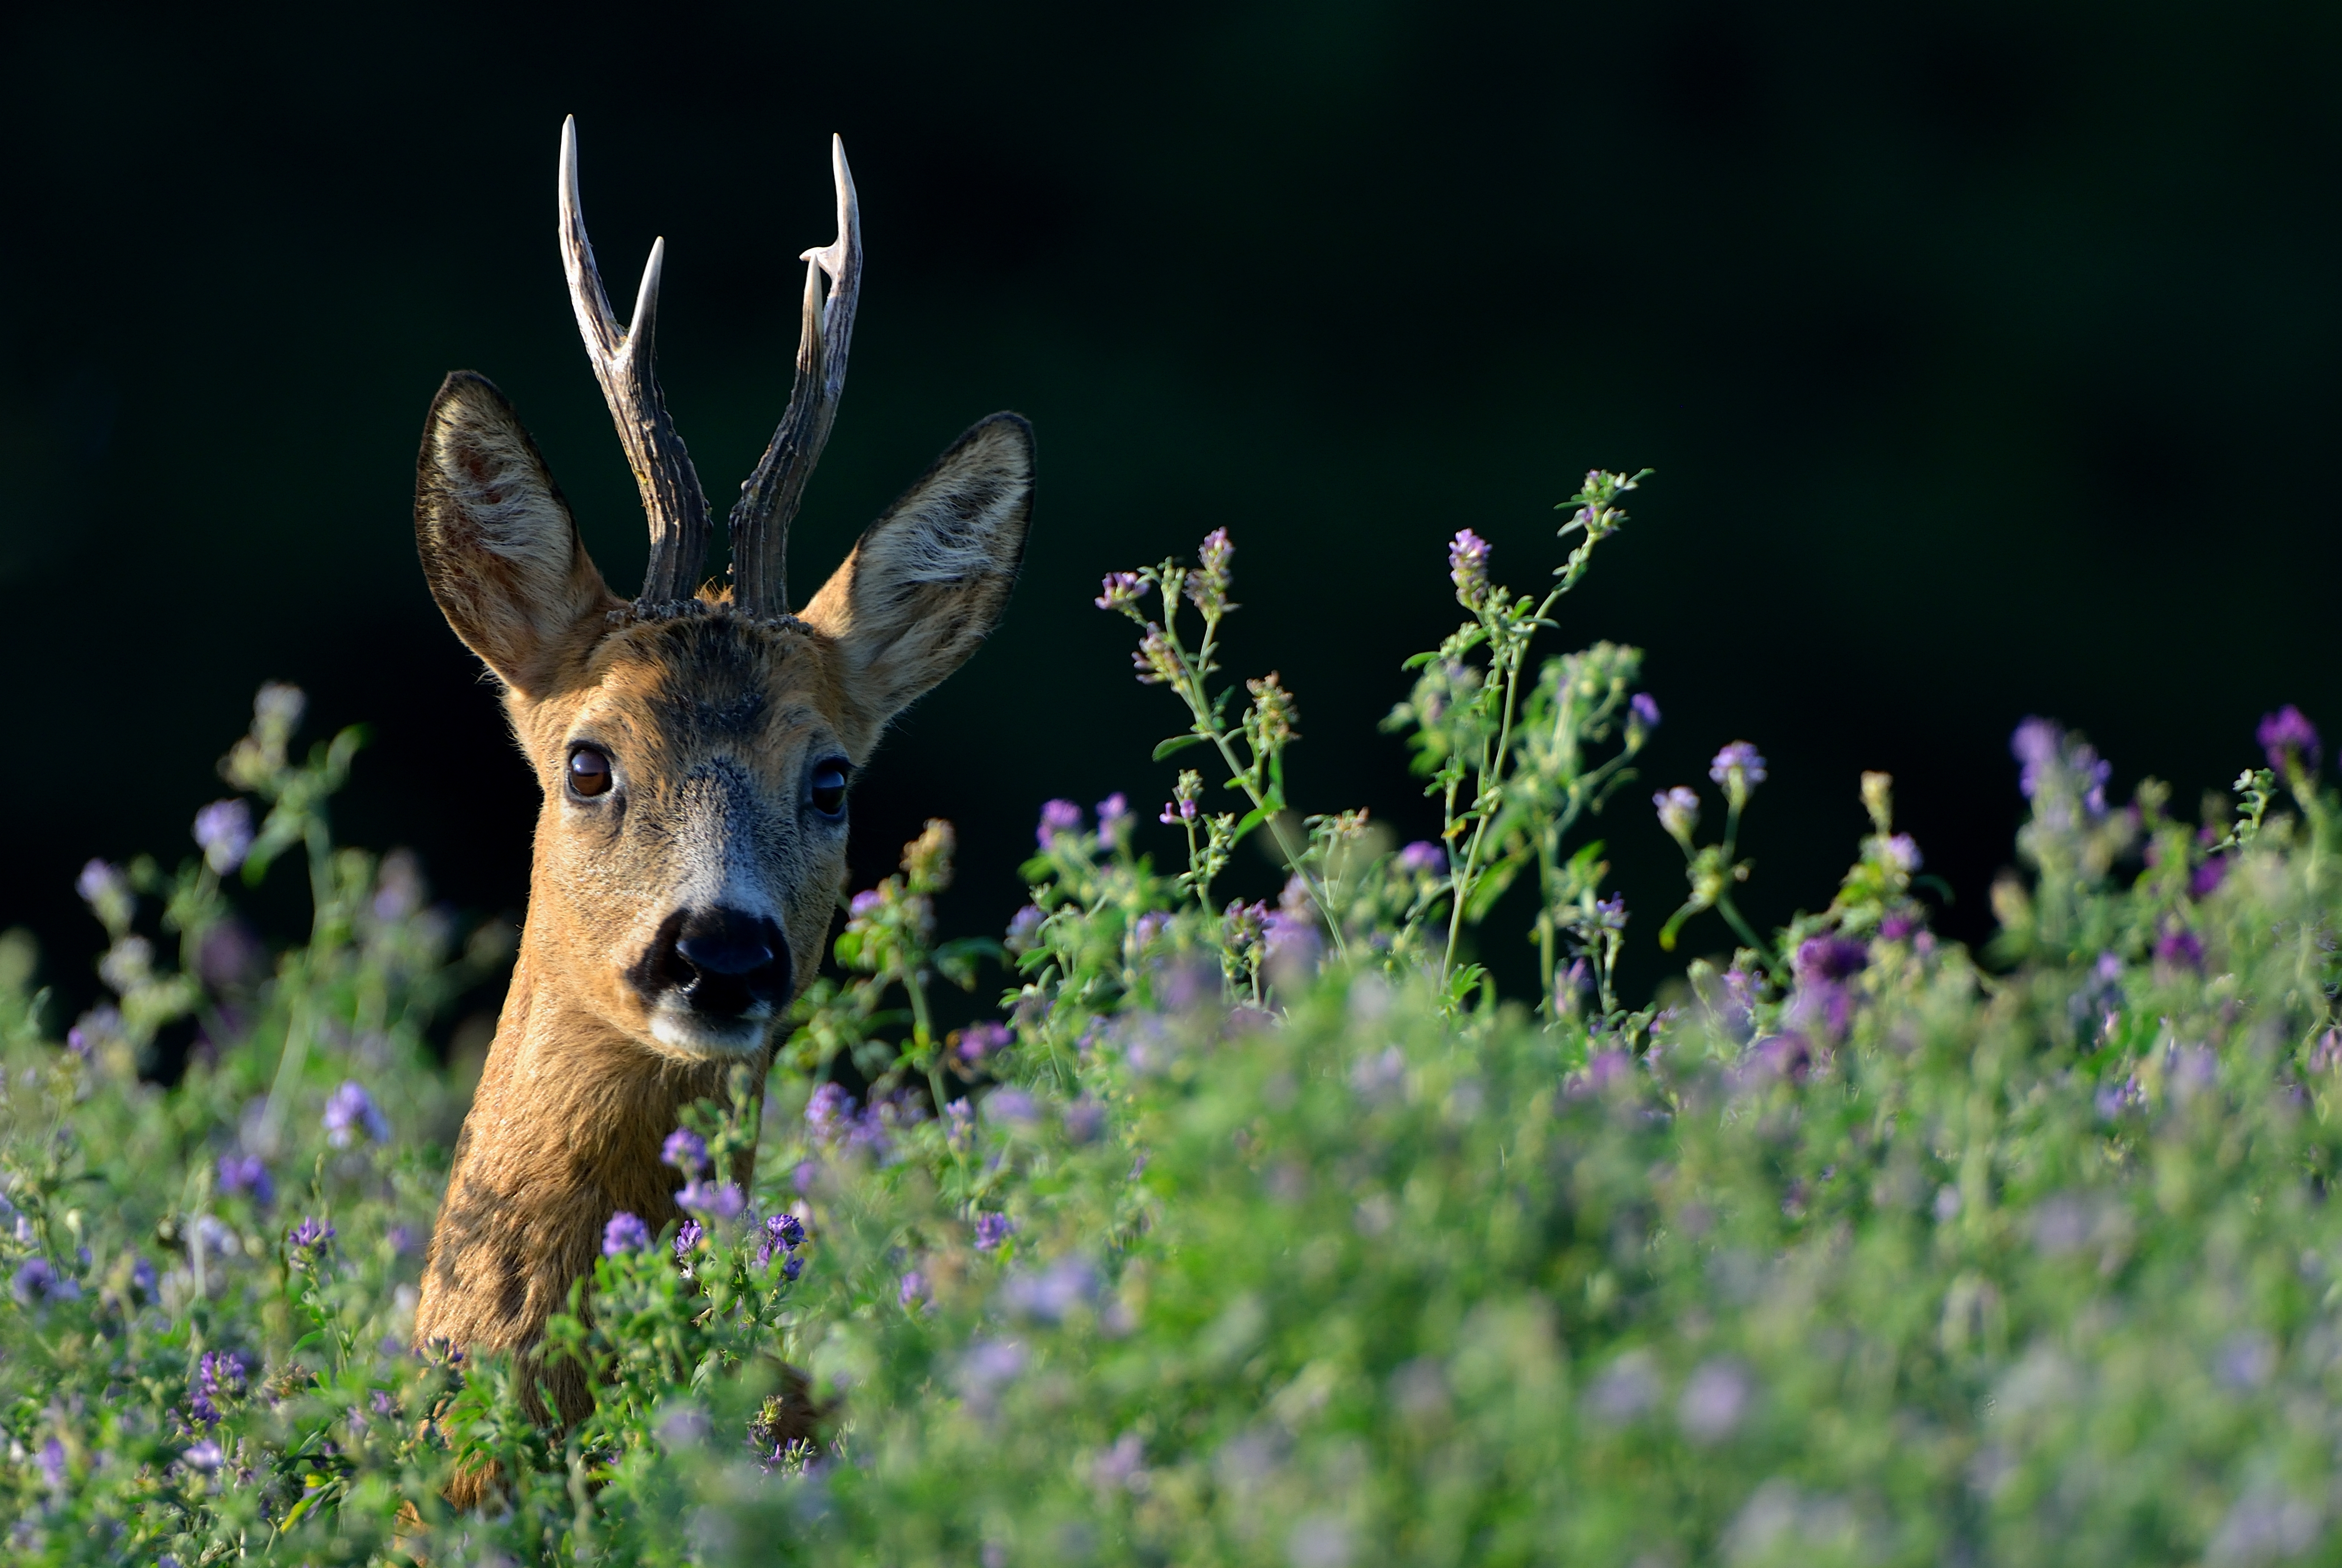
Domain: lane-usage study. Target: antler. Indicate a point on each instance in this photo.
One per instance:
(760, 522)
(622, 364)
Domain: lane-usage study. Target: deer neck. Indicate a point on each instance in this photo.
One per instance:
(565, 1130)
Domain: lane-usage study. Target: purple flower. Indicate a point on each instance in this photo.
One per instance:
(384, 1402)
(979, 1041)
(1052, 1294)
(780, 1234)
(1117, 590)
(224, 832)
(307, 1239)
(1084, 1121)
(1213, 552)
(865, 904)
(2034, 743)
(1829, 958)
(1678, 810)
(246, 1174)
(1467, 567)
(912, 1288)
(1114, 818)
(38, 1283)
(1783, 1055)
(828, 1111)
(1025, 928)
(2049, 756)
(2179, 948)
(1009, 1105)
(206, 1456)
(1610, 914)
(104, 889)
(1423, 857)
(1603, 1069)
(2206, 879)
(219, 1380)
(687, 1240)
(141, 1278)
(1714, 1399)
(1644, 709)
(2289, 739)
(961, 1118)
(686, 1150)
(1176, 812)
(1290, 936)
(52, 1465)
(989, 1366)
(1057, 816)
(1156, 661)
(1901, 852)
(1124, 1464)
(716, 1200)
(1740, 759)
(991, 1230)
(350, 1108)
(1149, 927)
(2113, 1097)
(624, 1233)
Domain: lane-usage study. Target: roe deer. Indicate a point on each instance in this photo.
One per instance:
(695, 748)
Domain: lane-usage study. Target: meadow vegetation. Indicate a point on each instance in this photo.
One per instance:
(1255, 1233)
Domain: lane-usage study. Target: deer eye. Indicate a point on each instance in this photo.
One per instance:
(589, 772)
(825, 785)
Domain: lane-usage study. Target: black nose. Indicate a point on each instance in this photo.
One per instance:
(721, 961)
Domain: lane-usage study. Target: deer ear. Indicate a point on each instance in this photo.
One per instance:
(498, 545)
(928, 580)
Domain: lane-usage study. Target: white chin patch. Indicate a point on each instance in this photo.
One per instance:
(696, 1035)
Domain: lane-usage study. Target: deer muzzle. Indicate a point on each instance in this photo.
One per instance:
(715, 980)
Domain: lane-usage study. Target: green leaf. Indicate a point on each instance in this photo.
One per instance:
(1178, 744)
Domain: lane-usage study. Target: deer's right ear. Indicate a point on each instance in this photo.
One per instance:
(498, 545)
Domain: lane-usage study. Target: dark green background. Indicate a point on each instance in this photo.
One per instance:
(1987, 355)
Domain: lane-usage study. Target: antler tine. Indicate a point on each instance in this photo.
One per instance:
(624, 365)
(768, 500)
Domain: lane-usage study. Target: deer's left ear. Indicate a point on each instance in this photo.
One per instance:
(927, 580)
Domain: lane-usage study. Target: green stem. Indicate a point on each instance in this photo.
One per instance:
(1199, 705)
(1512, 656)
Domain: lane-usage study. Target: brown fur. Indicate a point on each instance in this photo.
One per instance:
(711, 719)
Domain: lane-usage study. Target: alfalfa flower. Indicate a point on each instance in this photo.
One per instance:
(36, 1282)
(1739, 768)
(1157, 663)
(305, 1243)
(1272, 711)
(2290, 740)
(222, 831)
(624, 1233)
(244, 1174)
(686, 1150)
(1057, 816)
(351, 1109)
(1678, 810)
(1118, 590)
(1208, 587)
(1467, 567)
(1423, 857)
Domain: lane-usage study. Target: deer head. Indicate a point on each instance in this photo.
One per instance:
(696, 747)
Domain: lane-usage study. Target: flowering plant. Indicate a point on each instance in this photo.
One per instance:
(1249, 1231)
